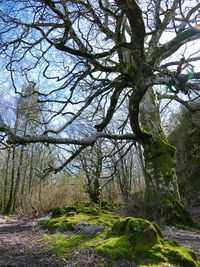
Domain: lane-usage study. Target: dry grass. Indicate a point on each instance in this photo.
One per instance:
(65, 190)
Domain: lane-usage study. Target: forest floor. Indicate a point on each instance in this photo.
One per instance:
(20, 245)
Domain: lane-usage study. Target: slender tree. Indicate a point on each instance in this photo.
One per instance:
(91, 163)
(101, 54)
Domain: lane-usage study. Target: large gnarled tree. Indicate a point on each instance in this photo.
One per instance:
(98, 55)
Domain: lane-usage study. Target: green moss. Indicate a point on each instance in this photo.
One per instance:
(6, 217)
(140, 240)
(49, 224)
(61, 224)
(89, 210)
(90, 207)
(62, 244)
(116, 248)
(179, 255)
(141, 233)
(73, 208)
(135, 239)
(93, 215)
(56, 212)
(161, 184)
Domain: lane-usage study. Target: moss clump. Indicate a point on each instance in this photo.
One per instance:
(87, 212)
(61, 224)
(140, 233)
(140, 240)
(116, 248)
(56, 212)
(90, 213)
(182, 256)
(72, 208)
(90, 207)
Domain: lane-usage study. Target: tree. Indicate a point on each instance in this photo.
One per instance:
(90, 164)
(101, 54)
(185, 137)
(26, 113)
(22, 163)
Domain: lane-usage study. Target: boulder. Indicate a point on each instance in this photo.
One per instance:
(93, 230)
(79, 226)
(89, 230)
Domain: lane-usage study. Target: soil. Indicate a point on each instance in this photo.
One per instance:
(20, 245)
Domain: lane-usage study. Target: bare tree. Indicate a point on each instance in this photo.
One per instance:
(100, 54)
(91, 164)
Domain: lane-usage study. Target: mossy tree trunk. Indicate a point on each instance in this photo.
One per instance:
(162, 198)
(94, 189)
(91, 165)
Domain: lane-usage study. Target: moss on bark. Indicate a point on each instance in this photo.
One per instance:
(186, 138)
(162, 195)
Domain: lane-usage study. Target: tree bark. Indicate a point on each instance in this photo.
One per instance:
(6, 181)
(162, 198)
(8, 208)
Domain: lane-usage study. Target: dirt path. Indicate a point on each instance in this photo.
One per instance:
(186, 239)
(20, 245)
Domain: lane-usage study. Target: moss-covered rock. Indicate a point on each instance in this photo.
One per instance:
(140, 240)
(141, 233)
(71, 215)
(62, 224)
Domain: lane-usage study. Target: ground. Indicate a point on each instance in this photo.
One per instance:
(20, 245)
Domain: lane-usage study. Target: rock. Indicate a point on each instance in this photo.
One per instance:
(141, 233)
(79, 226)
(89, 230)
(93, 230)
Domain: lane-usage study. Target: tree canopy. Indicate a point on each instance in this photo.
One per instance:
(93, 54)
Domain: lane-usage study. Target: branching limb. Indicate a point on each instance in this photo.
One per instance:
(134, 15)
(177, 99)
(13, 138)
(172, 46)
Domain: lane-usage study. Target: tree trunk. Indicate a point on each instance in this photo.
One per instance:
(8, 208)
(18, 177)
(162, 197)
(6, 178)
(94, 191)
